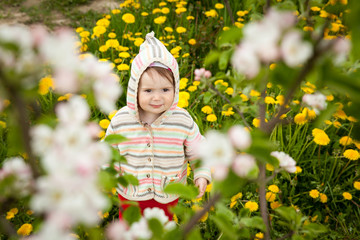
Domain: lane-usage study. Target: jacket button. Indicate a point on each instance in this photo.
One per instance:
(149, 189)
(148, 175)
(149, 159)
(148, 144)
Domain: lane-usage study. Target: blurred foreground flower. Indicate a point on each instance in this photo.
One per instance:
(286, 162)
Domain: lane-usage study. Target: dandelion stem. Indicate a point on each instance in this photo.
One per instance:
(347, 164)
(262, 199)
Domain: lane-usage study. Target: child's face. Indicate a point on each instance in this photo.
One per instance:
(155, 95)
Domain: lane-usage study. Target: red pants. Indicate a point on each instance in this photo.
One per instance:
(149, 204)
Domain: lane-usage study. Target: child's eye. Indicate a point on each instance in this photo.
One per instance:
(166, 89)
(147, 90)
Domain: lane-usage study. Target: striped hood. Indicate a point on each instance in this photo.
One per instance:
(152, 50)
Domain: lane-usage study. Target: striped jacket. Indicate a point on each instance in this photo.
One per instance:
(156, 154)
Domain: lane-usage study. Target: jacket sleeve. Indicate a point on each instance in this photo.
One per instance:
(194, 137)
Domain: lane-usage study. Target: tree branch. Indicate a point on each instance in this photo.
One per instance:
(228, 9)
(191, 224)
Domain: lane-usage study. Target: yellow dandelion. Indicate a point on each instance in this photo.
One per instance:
(239, 25)
(226, 28)
(300, 119)
(190, 18)
(25, 229)
(269, 100)
(175, 218)
(337, 124)
(165, 10)
(270, 196)
(219, 6)
(180, 30)
(345, 141)
(228, 112)
(252, 206)
(308, 29)
(347, 195)
(112, 35)
(128, 18)
(340, 114)
(254, 93)
(256, 122)
(242, 13)
(211, 118)
(98, 31)
(229, 91)
(273, 188)
(211, 13)
(236, 197)
(351, 154)
(351, 119)
(45, 84)
(11, 213)
(275, 205)
(192, 88)
(269, 167)
(232, 204)
(124, 54)
(320, 137)
(207, 109)
(357, 185)
(323, 198)
(192, 41)
(123, 67)
(315, 9)
(259, 236)
(144, 14)
(244, 98)
(298, 170)
(180, 10)
(160, 20)
(330, 98)
(314, 193)
(104, 123)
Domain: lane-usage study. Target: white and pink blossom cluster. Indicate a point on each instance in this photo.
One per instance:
(21, 173)
(71, 156)
(119, 230)
(201, 73)
(316, 101)
(220, 152)
(217, 151)
(37, 49)
(270, 40)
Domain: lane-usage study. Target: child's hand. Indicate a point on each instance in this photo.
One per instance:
(201, 183)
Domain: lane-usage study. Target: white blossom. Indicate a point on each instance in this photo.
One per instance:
(140, 229)
(216, 149)
(17, 168)
(245, 61)
(240, 137)
(286, 162)
(42, 138)
(75, 111)
(118, 230)
(317, 101)
(243, 164)
(294, 50)
(157, 213)
(342, 47)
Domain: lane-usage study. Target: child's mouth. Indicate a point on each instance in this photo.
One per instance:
(155, 106)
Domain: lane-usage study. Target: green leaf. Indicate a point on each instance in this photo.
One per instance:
(288, 213)
(231, 185)
(132, 214)
(194, 235)
(188, 192)
(231, 36)
(107, 180)
(224, 59)
(156, 227)
(131, 179)
(117, 157)
(212, 57)
(115, 138)
(254, 222)
(324, 115)
(314, 229)
(224, 225)
(207, 97)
